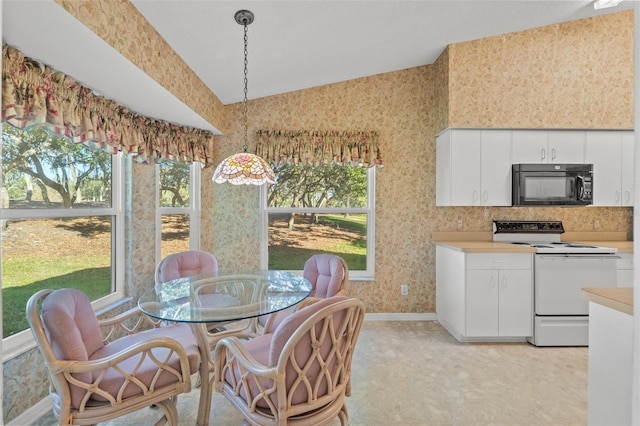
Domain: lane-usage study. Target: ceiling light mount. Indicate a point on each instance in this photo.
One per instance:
(244, 168)
(244, 17)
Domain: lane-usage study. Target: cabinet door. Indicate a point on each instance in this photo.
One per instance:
(482, 303)
(628, 170)
(530, 146)
(465, 167)
(604, 151)
(566, 146)
(515, 310)
(443, 169)
(495, 168)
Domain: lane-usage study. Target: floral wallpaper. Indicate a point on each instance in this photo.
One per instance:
(572, 75)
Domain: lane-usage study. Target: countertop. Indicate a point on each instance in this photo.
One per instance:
(618, 298)
(481, 242)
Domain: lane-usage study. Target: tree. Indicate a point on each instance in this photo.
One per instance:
(174, 179)
(329, 185)
(53, 163)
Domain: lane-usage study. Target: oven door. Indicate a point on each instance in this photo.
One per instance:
(560, 278)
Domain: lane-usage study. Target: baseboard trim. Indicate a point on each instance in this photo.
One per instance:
(391, 316)
(33, 414)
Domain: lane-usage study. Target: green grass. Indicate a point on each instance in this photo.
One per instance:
(354, 251)
(22, 277)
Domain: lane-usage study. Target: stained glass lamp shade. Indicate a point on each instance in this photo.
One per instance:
(244, 168)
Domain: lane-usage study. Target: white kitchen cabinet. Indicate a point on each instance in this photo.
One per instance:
(612, 154)
(624, 270)
(484, 296)
(473, 168)
(548, 146)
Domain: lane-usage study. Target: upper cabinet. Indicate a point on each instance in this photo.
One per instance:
(473, 168)
(612, 153)
(548, 146)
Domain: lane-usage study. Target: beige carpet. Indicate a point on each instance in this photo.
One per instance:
(415, 373)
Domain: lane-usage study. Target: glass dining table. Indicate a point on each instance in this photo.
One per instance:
(209, 302)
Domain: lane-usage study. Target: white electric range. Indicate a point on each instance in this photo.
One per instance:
(561, 269)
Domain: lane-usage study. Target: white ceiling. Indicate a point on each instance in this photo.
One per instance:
(293, 45)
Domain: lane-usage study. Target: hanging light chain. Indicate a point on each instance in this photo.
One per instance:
(246, 82)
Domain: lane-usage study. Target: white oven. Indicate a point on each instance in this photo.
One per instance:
(560, 271)
(561, 312)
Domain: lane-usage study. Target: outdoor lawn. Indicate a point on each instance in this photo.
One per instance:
(75, 252)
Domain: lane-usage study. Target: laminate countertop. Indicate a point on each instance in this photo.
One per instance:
(618, 298)
(481, 242)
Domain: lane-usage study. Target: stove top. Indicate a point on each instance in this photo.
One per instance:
(565, 247)
(544, 236)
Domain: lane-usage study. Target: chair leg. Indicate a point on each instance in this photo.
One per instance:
(170, 411)
(343, 415)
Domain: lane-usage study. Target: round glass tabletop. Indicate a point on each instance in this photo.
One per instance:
(228, 295)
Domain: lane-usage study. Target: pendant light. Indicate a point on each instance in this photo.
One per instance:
(244, 168)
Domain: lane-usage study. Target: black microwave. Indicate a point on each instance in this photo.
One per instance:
(552, 184)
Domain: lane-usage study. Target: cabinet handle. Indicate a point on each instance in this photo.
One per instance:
(553, 153)
(543, 154)
(627, 195)
(617, 196)
(493, 282)
(485, 196)
(474, 197)
(504, 282)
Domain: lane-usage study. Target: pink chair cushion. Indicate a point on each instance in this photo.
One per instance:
(304, 348)
(72, 328)
(326, 273)
(187, 264)
(74, 333)
(114, 380)
(266, 349)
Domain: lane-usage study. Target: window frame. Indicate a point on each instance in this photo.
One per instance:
(193, 210)
(23, 341)
(365, 275)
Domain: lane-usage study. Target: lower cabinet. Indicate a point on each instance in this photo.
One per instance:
(485, 296)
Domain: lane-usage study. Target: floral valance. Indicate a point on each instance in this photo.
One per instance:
(319, 147)
(33, 94)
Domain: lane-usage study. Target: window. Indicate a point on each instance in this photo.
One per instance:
(178, 212)
(62, 223)
(322, 209)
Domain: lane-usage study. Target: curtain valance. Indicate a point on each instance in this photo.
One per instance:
(319, 147)
(33, 94)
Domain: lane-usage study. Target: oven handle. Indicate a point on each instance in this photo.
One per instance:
(584, 256)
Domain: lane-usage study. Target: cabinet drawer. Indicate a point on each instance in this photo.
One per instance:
(499, 261)
(625, 261)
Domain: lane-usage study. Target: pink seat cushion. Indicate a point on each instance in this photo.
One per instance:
(304, 347)
(266, 349)
(326, 273)
(113, 380)
(74, 333)
(186, 264)
(72, 328)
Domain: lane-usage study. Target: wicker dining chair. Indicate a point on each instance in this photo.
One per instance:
(299, 374)
(103, 369)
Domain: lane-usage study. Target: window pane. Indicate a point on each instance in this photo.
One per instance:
(44, 171)
(174, 184)
(295, 238)
(175, 234)
(53, 253)
(327, 186)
